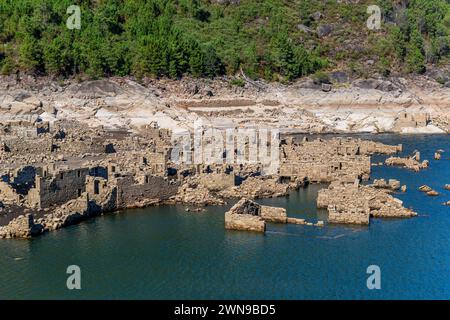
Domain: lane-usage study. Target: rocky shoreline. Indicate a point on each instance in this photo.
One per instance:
(378, 105)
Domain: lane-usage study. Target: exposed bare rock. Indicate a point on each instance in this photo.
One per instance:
(324, 30)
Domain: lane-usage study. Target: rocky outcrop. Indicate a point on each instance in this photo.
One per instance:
(428, 191)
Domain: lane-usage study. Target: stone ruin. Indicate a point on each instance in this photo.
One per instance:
(73, 172)
(412, 162)
(326, 160)
(411, 120)
(23, 128)
(68, 173)
(249, 216)
(355, 203)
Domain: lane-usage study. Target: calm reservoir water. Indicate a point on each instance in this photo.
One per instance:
(167, 253)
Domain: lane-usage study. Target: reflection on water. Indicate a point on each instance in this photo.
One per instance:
(167, 253)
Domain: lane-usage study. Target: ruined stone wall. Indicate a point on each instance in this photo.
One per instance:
(130, 193)
(78, 147)
(326, 171)
(102, 194)
(372, 147)
(7, 193)
(24, 129)
(354, 203)
(217, 181)
(315, 172)
(326, 160)
(57, 187)
(156, 134)
(273, 214)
